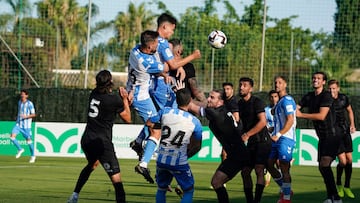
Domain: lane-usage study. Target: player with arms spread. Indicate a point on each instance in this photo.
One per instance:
(179, 129)
(97, 139)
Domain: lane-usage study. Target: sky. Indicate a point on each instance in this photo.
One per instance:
(317, 15)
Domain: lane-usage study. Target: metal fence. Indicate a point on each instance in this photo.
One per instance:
(61, 44)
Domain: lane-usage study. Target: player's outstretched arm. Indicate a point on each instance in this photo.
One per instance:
(126, 114)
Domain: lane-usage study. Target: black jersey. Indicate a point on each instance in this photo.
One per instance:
(102, 111)
(313, 103)
(232, 104)
(340, 105)
(226, 130)
(189, 73)
(248, 112)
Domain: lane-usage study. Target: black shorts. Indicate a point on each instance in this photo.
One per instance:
(328, 146)
(259, 152)
(231, 166)
(346, 144)
(102, 150)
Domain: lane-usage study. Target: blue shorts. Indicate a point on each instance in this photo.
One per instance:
(145, 108)
(282, 149)
(26, 132)
(163, 95)
(182, 174)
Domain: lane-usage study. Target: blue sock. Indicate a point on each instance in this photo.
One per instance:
(161, 196)
(188, 196)
(149, 150)
(144, 133)
(16, 143)
(279, 181)
(286, 188)
(31, 147)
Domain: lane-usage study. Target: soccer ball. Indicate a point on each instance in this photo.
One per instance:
(217, 39)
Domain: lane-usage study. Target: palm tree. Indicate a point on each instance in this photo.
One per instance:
(70, 22)
(18, 9)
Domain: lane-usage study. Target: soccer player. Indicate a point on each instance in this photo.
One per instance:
(142, 64)
(321, 112)
(228, 132)
(252, 114)
(26, 112)
(342, 106)
(180, 130)
(231, 103)
(284, 139)
(197, 95)
(161, 91)
(269, 111)
(97, 139)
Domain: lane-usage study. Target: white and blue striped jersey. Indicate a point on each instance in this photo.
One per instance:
(177, 128)
(269, 117)
(283, 108)
(140, 68)
(25, 108)
(164, 52)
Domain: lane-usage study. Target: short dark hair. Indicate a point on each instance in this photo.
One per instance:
(104, 81)
(333, 81)
(227, 84)
(175, 42)
(25, 91)
(282, 77)
(148, 36)
(221, 93)
(321, 73)
(247, 79)
(272, 92)
(183, 97)
(165, 17)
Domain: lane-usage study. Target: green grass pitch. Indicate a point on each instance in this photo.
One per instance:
(51, 180)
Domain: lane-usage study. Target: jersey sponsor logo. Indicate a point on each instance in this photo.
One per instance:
(289, 108)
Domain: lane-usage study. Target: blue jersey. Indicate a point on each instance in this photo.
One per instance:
(140, 67)
(25, 108)
(269, 117)
(162, 93)
(164, 51)
(177, 128)
(283, 108)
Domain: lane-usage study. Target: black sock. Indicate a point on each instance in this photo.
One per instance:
(329, 181)
(222, 195)
(258, 192)
(339, 172)
(119, 192)
(249, 195)
(83, 177)
(348, 172)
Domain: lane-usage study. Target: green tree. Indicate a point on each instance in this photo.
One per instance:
(70, 23)
(128, 27)
(19, 8)
(347, 30)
